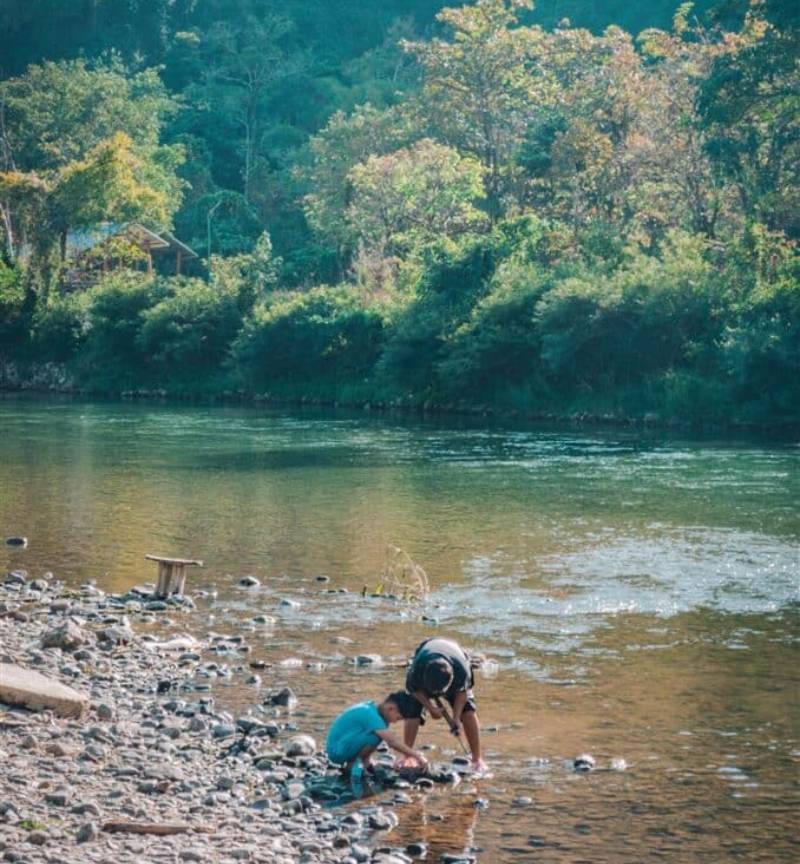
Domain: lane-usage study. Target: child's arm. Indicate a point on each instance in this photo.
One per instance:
(398, 745)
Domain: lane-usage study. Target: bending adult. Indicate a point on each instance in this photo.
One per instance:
(440, 668)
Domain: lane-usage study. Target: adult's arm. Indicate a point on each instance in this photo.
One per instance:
(433, 710)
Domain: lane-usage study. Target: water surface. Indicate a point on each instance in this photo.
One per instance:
(637, 595)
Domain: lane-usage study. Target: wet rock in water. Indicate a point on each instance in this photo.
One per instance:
(17, 541)
(382, 820)
(522, 801)
(67, 636)
(481, 804)
(284, 698)
(417, 849)
(583, 763)
(290, 604)
(300, 745)
(322, 578)
(16, 577)
(368, 660)
(40, 585)
(619, 765)
(264, 620)
(249, 582)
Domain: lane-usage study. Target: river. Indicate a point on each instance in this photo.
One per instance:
(636, 595)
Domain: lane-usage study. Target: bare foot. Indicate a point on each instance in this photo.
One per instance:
(479, 766)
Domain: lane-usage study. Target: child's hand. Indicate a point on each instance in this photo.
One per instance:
(423, 762)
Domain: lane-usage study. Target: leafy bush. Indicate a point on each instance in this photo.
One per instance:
(499, 345)
(59, 327)
(454, 277)
(114, 358)
(762, 346)
(325, 334)
(652, 315)
(189, 331)
(12, 306)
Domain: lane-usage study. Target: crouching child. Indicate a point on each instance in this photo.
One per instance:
(356, 733)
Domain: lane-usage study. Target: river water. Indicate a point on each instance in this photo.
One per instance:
(636, 595)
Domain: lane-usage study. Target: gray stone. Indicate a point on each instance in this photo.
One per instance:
(583, 763)
(223, 730)
(249, 582)
(116, 635)
(37, 692)
(16, 577)
(382, 820)
(300, 745)
(67, 636)
(368, 660)
(59, 798)
(87, 832)
(105, 711)
(285, 698)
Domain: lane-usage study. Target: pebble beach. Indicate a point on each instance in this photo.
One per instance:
(143, 766)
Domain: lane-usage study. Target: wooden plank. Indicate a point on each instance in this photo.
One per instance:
(190, 561)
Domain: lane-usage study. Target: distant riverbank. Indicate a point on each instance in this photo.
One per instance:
(55, 378)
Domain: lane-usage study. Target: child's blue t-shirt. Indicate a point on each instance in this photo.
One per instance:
(353, 730)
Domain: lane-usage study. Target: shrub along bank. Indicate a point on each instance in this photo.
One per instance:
(497, 320)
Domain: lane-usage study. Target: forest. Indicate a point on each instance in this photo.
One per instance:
(529, 209)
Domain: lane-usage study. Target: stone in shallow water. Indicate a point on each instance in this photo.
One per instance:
(249, 582)
(285, 698)
(583, 763)
(368, 660)
(37, 692)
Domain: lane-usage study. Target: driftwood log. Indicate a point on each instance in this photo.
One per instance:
(160, 828)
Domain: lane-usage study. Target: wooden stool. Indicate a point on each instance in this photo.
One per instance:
(172, 574)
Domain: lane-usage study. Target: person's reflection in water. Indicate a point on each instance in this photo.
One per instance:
(445, 823)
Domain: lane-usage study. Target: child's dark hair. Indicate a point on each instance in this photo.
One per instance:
(407, 705)
(437, 676)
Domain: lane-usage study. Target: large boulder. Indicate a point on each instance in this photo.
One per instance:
(36, 692)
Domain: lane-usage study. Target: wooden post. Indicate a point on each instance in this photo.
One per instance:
(172, 574)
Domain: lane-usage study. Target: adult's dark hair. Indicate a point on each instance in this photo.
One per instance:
(437, 676)
(407, 705)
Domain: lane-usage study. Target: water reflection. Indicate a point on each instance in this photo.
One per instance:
(637, 597)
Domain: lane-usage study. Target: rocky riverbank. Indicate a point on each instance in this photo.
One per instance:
(150, 752)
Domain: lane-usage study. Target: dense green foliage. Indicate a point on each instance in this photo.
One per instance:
(484, 204)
